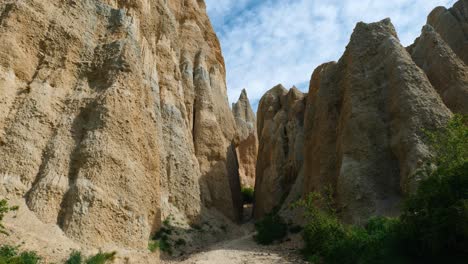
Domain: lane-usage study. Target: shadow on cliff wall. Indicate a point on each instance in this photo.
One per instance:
(220, 216)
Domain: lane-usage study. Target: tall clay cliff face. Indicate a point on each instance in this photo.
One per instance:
(452, 25)
(247, 145)
(364, 124)
(280, 156)
(360, 128)
(114, 114)
(442, 52)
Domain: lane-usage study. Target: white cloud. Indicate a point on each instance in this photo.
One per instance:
(266, 42)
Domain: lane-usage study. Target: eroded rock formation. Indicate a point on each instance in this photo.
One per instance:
(446, 71)
(247, 145)
(365, 114)
(280, 122)
(113, 115)
(452, 25)
(364, 124)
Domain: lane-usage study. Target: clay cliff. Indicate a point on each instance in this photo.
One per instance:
(364, 117)
(114, 115)
(280, 123)
(247, 145)
(364, 124)
(452, 25)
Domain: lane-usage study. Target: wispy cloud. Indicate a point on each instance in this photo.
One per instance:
(266, 42)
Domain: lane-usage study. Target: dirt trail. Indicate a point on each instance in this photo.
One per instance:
(245, 250)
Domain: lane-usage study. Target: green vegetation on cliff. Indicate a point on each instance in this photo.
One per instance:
(433, 227)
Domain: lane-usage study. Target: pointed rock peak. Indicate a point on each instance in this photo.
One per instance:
(384, 26)
(294, 89)
(295, 94)
(243, 95)
(277, 90)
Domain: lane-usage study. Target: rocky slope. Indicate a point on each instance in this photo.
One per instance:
(280, 155)
(247, 145)
(113, 115)
(364, 118)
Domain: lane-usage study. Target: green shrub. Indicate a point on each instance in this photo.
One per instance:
(75, 258)
(328, 240)
(435, 219)
(450, 144)
(10, 255)
(7, 251)
(4, 209)
(247, 195)
(28, 257)
(180, 242)
(101, 258)
(433, 227)
(271, 228)
(153, 245)
(294, 229)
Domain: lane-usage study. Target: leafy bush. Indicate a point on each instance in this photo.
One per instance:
(153, 245)
(4, 209)
(271, 228)
(101, 258)
(435, 218)
(328, 240)
(75, 258)
(7, 251)
(180, 242)
(433, 227)
(161, 238)
(450, 144)
(247, 195)
(10, 255)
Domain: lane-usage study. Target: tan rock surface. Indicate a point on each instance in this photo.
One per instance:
(364, 124)
(247, 147)
(447, 73)
(113, 115)
(280, 155)
(452, 25)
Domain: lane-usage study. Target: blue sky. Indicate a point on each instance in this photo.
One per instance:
(266, 42)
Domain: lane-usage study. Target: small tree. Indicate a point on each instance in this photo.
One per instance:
(435, 218)
(450, 144)
(4, 209)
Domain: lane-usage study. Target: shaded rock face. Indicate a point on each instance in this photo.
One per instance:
(114, 114)
(247, 145)
(280, 122)
(452, 25)
(445, 70)
(364, 124)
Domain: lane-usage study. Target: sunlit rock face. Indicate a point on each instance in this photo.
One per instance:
(364, 124)
(358, 133)
(247, 145)
(280, 122)
(113, 115)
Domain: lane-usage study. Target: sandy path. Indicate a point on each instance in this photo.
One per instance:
(244, 251)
